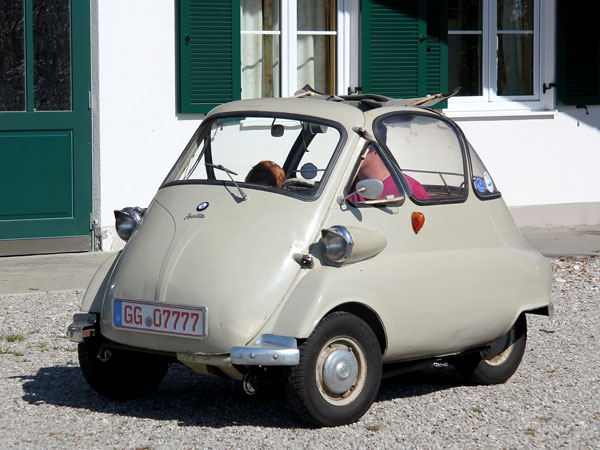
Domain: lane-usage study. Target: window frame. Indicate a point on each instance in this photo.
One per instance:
(346, 58)
(209, 121)
(466, 161)
(346, 62)
(479, 195)
(490, 98)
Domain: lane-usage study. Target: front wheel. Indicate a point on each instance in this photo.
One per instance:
(123, 374)
(499, 361)
(339, 373)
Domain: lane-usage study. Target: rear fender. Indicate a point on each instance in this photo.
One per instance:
(94, 295)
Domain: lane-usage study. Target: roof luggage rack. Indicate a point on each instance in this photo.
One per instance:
(366, 102)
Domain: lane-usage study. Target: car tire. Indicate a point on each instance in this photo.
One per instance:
(124, 375)
(339, 372)
(499, 362)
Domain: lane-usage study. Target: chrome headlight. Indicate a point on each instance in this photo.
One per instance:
(127, 219)
(337, 243)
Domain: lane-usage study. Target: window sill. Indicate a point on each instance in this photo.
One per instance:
(500, 115)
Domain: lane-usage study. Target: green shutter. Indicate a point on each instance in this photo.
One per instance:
(578, 52)
(404, 47)
(437, 47)
(209, 54)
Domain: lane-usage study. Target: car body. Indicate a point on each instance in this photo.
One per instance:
(328, 279)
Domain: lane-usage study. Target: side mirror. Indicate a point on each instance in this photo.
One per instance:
(370, 189)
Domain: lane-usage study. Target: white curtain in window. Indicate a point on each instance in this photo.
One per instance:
(313, 50)
(515, 48)
(260, 52)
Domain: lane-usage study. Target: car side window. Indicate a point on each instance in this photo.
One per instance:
(429, 154)
(483, 184)
(373, 165)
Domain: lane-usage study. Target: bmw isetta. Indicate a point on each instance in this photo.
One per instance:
(381, 242)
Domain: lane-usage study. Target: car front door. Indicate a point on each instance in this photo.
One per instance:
(431, 284)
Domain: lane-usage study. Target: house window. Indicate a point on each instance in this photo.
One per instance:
(307, 29)
(232, 49)
(493, 50)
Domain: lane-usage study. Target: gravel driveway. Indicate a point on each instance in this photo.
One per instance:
(552, 401)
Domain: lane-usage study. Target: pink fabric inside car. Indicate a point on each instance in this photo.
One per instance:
(417, 188)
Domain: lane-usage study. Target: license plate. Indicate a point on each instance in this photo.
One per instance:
(163, 319)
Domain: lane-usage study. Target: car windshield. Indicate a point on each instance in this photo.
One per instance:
(284, 155)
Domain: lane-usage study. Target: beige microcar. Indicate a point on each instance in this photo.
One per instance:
(319, 239)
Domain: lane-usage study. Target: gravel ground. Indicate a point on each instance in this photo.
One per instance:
(552, 401)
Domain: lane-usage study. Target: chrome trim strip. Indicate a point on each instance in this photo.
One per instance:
(268, 350)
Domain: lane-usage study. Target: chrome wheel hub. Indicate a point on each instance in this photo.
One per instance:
(340, 371)
(500, 349)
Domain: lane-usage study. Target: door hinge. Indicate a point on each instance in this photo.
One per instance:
(90, 102)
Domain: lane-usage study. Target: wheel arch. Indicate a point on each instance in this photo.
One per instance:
(369, 316)
(94, 294)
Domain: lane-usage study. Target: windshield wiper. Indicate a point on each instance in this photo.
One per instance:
(228, 172)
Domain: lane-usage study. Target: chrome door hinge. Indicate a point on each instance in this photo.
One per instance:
(90, 101)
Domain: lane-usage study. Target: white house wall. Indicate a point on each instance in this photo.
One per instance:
(140, 133)
(549, 161)
(546, 165)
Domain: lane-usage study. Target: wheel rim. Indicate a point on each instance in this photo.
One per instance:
(341, 370)
(500, 349)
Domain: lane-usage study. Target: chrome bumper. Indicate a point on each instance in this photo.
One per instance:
(83, 326)
(268, 350)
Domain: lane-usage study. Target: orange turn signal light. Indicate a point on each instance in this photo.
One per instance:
(418, 220)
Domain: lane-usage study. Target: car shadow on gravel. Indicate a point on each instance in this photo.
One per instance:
(196, 400)
(420, 382)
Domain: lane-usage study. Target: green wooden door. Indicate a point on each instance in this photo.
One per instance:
(45, 126)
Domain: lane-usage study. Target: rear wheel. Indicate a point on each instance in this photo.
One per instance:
(339, 373)
(497, 363)
(123, 374)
